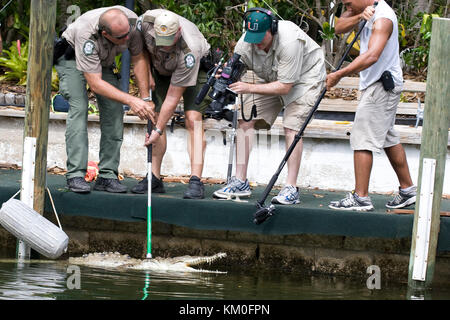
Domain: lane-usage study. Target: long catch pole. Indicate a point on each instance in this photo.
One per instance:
(149, 190)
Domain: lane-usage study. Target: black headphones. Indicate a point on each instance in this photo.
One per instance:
(274, 25)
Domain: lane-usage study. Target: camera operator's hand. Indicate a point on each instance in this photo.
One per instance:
(241, 87)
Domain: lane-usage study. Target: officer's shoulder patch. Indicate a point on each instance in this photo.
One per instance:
(88, 47)
(189, 60)
(139, 24)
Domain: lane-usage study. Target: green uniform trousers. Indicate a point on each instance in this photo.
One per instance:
(72, 86)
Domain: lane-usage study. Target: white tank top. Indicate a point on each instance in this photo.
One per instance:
(389, 58)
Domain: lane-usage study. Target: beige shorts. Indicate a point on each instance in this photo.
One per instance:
(269, 107)
(373, 128)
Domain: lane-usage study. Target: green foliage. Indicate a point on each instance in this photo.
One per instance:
(328, 32)
(15, 64)
(418, 57)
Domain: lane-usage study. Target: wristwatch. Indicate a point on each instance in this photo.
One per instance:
(147, 99)
(158, 130)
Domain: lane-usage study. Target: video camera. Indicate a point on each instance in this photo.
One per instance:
(221, 94)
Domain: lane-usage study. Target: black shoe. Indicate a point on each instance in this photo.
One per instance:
(142, 186)
(79, 185)
(196, 189)
(109, 185)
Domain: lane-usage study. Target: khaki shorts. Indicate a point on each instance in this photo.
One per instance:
(373, 128)
(269, 107)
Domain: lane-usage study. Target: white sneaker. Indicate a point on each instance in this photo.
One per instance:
(287, 195)
(234, 188)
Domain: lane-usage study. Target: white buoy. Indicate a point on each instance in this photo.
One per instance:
(33, 229)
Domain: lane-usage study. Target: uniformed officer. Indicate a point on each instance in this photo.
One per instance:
(93, 42)
(175, 46)
(291, 72)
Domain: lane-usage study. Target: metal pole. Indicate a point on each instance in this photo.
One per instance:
(126, 62)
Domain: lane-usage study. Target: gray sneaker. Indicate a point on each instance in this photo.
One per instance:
(352, 202)
(234, 188)
(403, 199)
(287, 195)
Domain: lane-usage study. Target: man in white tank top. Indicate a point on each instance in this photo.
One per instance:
(373, 128)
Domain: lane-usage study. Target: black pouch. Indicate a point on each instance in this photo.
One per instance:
(59, 49)
(387, 81)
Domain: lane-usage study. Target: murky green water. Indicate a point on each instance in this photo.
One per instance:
(56, 281)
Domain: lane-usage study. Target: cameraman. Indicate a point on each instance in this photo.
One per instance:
(175, 46)
(291, 66)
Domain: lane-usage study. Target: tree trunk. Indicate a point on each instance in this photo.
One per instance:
(421, 6)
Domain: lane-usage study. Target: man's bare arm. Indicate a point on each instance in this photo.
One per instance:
(140, 68)
(169, 105)
(347, 22)
(382, 30)
(275, 88)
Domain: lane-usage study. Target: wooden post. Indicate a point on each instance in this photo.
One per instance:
(433, 154)
(39, 75)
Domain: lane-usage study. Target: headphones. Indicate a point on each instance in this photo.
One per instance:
(274, 25)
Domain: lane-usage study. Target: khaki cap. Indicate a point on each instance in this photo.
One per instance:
(166, 26)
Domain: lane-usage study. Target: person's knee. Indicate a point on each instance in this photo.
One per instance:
(193, 120)
(246, 125)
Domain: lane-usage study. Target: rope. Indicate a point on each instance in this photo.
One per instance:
(14, 195)
(53, 206)
(51, 200)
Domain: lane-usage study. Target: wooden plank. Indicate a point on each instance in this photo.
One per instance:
(323, 129)
(333, 105)
(410, 211)
(341, 105)
(408, 85)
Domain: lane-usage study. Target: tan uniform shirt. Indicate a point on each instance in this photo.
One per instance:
(293, 58)
(183, 62)
(92, 50)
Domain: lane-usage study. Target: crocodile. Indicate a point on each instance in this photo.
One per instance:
(109, 260)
